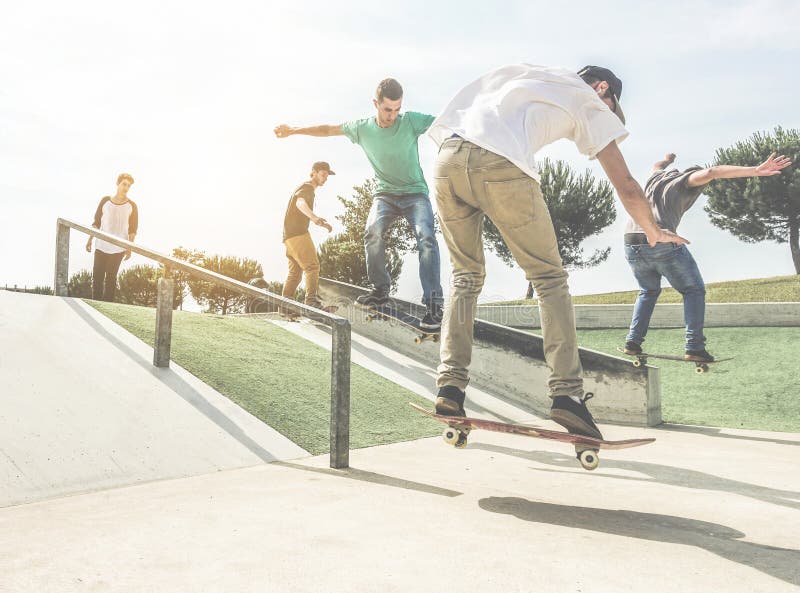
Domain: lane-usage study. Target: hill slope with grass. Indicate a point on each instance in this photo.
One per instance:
(280, 378)
(778, 289)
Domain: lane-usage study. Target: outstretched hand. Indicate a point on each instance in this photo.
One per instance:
(282, 131)
(773, 166)
(324, 224)
(666, 236)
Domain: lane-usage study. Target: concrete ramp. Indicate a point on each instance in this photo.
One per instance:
(82, 408)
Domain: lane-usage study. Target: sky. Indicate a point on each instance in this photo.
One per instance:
(184, 96)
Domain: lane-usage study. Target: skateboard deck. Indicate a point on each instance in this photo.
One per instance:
(392, 315)
(585, 447)
(700, 366)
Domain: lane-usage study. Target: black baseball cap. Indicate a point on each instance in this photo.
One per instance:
(322, 166)
(614, 84)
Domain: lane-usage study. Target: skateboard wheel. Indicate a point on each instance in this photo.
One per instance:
(451, 436)
(418, 340)
(462, 440)
(701, 368)
(436, 338)
(589, 459)
(637, 363)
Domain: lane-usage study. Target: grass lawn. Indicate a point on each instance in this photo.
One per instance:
(779, 289)
(280, 378)
(758, 389)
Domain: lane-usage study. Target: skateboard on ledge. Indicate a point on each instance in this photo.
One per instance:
(700, 365)
(392, 315)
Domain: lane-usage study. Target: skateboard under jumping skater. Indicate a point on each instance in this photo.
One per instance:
(700, 366)
(586, 448)
(392, 315)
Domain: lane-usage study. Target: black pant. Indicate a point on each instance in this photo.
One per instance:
(104, 274)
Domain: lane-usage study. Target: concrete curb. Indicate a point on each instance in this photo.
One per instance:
(665, 316)
(509, 363)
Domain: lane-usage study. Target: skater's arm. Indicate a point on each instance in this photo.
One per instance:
(96, 223)
(772, 166)
(303, 207)
(632, 196)
(282, 131)
(658, 166)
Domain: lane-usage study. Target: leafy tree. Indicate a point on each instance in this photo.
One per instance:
(580, 207)
(80, 285)
(138, 285)
(181, 278)
(216, 298)
(342, 256)
(759, 208)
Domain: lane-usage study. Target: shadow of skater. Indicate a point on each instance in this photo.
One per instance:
(664, 474)
(781, 563)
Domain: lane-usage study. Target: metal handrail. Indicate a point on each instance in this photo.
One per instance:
(340, 327)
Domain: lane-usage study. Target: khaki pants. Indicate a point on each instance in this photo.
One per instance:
(472, 182)
(302, 256)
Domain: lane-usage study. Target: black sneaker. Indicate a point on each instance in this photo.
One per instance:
(433, 318)
(575, 417)
(450, 401)
(376, 298)
(698, 356)
(632, 348)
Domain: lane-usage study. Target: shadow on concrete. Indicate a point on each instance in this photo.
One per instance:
(781, 563)
(365, 476)
(176, 384)
(664, 474)
(717, 433)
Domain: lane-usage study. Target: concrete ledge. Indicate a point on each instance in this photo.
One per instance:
(509, 363)
(665, 316)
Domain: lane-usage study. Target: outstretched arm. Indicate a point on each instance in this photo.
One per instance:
(302, 206)
(772, 166)
(282, 131)
(632, 196)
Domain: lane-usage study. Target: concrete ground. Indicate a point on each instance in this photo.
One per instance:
(701, 509)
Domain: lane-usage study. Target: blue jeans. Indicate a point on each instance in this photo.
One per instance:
(676, 264)
(416, 209)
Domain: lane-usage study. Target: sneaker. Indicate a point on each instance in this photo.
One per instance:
(698, 356)
(318, 304)
(575, 417)
(632, 348)
(376, 298)
(433, 318)
(450, 401)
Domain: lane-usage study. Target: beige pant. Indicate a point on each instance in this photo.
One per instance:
(472, 182)
(302, 256)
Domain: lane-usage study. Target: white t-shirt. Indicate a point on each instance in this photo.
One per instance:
(516, 110)
(120, 220)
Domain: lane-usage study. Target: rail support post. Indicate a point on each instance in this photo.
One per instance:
(161, 349)
(340, 395)
(61, 278)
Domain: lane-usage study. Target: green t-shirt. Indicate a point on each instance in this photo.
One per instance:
(393, 152)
